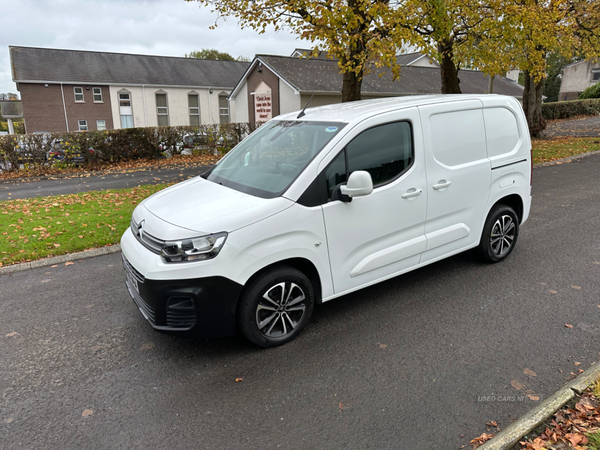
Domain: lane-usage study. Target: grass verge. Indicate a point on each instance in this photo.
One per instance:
(545, 150)
(51, 226)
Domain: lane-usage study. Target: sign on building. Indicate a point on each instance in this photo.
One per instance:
(263, 106)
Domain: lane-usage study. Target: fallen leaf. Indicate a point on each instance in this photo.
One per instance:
(9, 420)
(147, 346)
(492, 423)
(69, 263)
(45, 281)
(481, 439)
(530, 373)
(573, 438)
(382, 346)
(237, 380)
(577, 363)
(518, 386)
(568, 326)
(55, 265)
(87, 412)
(576, 287)
(552, 291)
(14, 333)
(535, 398)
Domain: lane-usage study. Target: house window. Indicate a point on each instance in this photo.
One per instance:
(162, 112)
(82, 125)
(595, 75)
(223, 109)
(125, 110)
(78, 94)
(194, 109)
(101, 124)
(97, 94)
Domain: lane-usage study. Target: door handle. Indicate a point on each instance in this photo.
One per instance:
(412, 193)
(442, 184)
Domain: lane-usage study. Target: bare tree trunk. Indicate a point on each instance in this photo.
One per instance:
(351, 87)
(449, 71)
(532, 104)
(491, 84)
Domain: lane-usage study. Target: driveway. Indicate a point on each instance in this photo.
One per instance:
(586, 127)
(11, 189)
(421, 361)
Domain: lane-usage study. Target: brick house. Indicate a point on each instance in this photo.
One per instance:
(70, 90)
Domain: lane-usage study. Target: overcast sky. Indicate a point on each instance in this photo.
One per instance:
(151, 27)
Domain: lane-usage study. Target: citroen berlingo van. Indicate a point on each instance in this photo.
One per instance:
(317, 204)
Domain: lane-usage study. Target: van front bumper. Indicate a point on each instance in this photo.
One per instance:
(201, 307)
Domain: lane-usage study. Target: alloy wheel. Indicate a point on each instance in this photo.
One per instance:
(502, 236)
(280, 310)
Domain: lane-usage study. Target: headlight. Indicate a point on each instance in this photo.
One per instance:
(194, 249)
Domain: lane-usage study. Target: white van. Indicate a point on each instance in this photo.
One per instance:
(313, 206)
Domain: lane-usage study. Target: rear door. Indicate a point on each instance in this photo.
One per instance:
(458, 176)
(381, 234)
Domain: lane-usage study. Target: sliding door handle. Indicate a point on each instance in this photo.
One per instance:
(442, 184)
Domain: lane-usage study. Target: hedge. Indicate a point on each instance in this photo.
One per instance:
(565, 110)
(26, 151)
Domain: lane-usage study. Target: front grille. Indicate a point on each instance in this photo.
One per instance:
(181, 319)
(152, 243)
(145, 308)
(134, 273)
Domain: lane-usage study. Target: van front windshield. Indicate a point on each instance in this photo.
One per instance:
(270, 159)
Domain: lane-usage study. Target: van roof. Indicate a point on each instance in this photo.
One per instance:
(353, 111)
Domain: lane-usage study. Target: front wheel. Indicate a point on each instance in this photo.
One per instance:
(500, 234)
(276, 307)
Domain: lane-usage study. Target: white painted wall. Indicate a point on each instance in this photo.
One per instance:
(578, 77)
(425, 62)
(239, 105)
(289, 101)
(143, 103)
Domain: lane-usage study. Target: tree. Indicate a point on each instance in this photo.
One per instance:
(454, 31)
(355, 32)
(8, 96)
(541, 27)
(213, 53)
(554, 66)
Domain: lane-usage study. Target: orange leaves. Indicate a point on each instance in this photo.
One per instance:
(481, 439)
(570, 426)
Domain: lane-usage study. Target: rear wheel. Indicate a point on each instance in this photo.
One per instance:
(276, 307)
(499, 235)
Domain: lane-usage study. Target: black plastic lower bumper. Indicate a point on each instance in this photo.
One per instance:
(200, 307)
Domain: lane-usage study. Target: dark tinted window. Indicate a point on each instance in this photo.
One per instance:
(384, 151)
(335, 173)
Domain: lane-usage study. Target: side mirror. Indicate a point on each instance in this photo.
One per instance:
(359, 184)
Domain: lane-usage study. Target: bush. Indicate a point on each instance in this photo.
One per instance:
(565, 110)
(88, 147)
(591, 92)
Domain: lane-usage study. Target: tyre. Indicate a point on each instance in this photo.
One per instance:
(499, 235)
(276, 307)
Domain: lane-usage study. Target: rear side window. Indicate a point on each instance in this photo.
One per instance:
(502, 131)
(458, 137)
(384, 151)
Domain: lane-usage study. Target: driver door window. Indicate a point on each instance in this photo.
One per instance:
(385, 151)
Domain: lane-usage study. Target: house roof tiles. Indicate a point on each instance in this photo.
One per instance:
(75, 66)
(323, 76)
